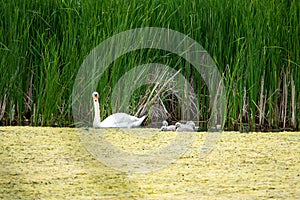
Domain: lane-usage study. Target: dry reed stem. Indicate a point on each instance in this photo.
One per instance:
(285, 96)
(261, 101)
(293, 102)
(3, 106)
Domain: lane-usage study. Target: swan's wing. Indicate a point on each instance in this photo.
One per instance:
(138, 121)
(122, 120)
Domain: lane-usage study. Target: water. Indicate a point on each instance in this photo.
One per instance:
(53, 163)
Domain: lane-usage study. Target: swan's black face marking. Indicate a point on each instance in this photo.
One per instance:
(95, 96)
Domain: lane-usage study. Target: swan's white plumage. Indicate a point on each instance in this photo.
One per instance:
(121, 120)
(116, 120)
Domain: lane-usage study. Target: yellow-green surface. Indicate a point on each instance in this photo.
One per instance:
(51, 163)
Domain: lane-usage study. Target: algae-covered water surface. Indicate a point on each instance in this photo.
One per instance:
(52, 163)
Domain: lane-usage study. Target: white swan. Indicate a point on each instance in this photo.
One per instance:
(165, 127)
(188, 127)
(116, 120)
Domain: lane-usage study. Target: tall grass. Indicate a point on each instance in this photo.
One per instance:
(255, 45)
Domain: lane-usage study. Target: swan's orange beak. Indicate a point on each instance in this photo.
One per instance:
(95, 96)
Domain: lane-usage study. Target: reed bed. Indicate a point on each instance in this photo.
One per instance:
(255, 45)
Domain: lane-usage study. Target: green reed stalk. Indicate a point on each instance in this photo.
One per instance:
(43, 44)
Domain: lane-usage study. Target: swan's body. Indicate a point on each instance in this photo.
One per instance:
(116, 120)
(165, 127)
(188, 127)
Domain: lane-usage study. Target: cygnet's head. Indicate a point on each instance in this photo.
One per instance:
(163, 128)
(178, 124)
(164, 123)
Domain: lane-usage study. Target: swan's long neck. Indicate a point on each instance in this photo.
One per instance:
(97, 120)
